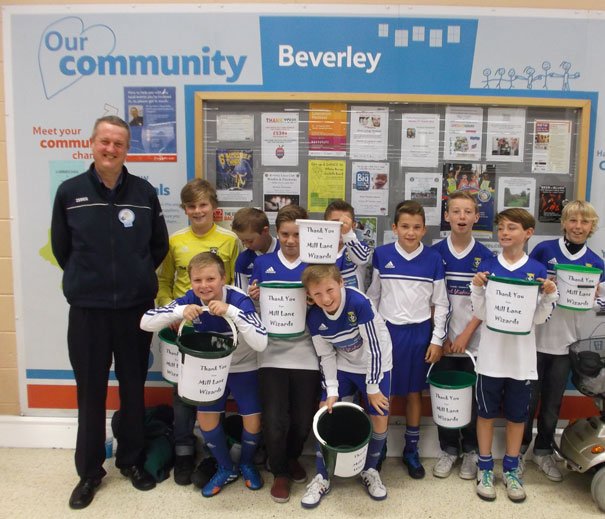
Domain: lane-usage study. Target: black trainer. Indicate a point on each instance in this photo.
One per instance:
(204, 472)
(183, 468)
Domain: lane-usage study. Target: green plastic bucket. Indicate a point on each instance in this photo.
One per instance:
(510, 304)
(343, 436)
(169, 353)
(205, 362)
(577, 286)
(452, 396)
(283, 308)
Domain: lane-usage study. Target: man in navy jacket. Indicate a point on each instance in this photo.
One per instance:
(108, 235)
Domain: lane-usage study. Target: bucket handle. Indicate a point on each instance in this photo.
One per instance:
(465, 351)
(323, 410)
(229, 322)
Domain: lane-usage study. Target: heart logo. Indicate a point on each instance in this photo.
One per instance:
(68, 51)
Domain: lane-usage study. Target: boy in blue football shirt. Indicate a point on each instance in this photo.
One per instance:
(252, 228)
(461, 255)
(408, 288)
(353, 254)
(354, 349)
(205, 305)
(579, 221)
(288, 368)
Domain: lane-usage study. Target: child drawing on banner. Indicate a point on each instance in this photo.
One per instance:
(252, 228)
(205, 305)
(506, 363)
(289, 368)
(353, 254)
(408, 289)
(461, 255)
(354, 348)
(578, 221)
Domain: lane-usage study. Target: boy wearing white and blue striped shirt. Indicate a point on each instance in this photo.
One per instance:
(579, 221)
(461, 255)
(354, 348)
(353, 254)
(207, 275)
(407, 283)
(252, 228)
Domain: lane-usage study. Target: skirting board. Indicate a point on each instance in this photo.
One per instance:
(60, 433)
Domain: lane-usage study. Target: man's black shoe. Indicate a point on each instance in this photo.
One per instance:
(83, 494)
(183, 467)
(140, 478)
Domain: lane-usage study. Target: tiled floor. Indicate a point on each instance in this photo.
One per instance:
(36, 483)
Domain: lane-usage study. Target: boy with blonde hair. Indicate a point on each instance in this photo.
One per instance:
(507, 362)
(578, 221)
(354, 349)
(461, 255)
(205, 305)
(198, 200)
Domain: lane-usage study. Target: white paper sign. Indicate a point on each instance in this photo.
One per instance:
(279, 133)
(420, 140)
(425, 188)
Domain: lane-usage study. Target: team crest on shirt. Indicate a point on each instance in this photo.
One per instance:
(214, 250)
(476, 262)
(588, 264)
(530, 276)
(352, 318)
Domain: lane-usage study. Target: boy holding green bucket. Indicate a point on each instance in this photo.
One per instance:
(208, 289)
(461, 255)
(198, 200)
(506, 362)
(408, 289)
(288, 368)
(354, 349)
(579, 221)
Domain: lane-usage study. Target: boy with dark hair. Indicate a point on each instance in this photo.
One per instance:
(407, 283)
(353, 254)
(507, 362)
(289, 368)
(252, 228)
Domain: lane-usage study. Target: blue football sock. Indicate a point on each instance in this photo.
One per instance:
(510, 463)
(216, 441)
(485, 462)
(412, 437)
(320, 463)
(375, 449)
(249, 446)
